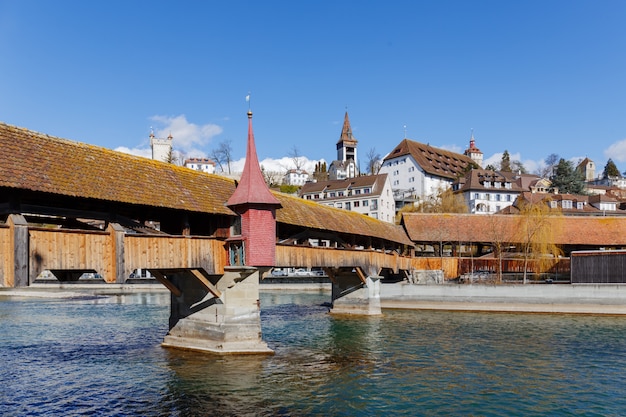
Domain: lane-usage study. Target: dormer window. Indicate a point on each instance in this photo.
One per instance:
(553, 204)
(497, 184)
(566, 204)
(580, 205)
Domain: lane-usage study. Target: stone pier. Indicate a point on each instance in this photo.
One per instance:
(221, 317)
(354, 293)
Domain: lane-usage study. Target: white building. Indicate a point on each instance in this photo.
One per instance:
(370, 195)
(418, 170)
(161, 148)
(297, 177)
(200, 164)
(487, 192)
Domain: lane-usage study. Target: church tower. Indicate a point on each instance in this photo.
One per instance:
(346, 145)
(161, 148)
(473, 152)
(346, 164)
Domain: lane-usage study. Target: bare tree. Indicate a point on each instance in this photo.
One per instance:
(272, 178)
(298, 161)
(222, 155)
(373, 161)
(550, 162)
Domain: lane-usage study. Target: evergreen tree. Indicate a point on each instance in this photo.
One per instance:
(505, 164)
(610, 170)
(568, 179)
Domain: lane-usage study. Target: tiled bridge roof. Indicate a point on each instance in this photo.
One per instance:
(41, 163)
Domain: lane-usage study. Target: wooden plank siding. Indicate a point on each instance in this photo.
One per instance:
(172, 252)
(371, 261)
(63, 249)
(5, 258)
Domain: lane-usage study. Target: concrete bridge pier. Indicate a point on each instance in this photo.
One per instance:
(216, 314)
(354, 292)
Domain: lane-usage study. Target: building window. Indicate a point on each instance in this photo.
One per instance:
(411, 169)
(316, 196)
(357, 192)
(476, 196)
(566, 204)
(339, 205)
(412, 179)
(374, 205)
(498, 197)
(365, 203)
(308, 197)
(348, 206)
(357, 204)
(366, 191)
(332, 195)
(508, 197)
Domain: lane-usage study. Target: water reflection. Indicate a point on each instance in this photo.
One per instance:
(97, 357)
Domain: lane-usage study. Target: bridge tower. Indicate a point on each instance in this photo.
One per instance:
(222, 314)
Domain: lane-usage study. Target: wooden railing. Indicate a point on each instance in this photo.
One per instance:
(27, 251)
(372, 261)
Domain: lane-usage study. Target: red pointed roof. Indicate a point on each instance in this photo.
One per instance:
(252, 188)
(346, 132)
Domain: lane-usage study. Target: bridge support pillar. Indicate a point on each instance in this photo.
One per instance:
(219, 315)
(360, 299)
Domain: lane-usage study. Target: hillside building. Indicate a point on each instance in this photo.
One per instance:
(370, 195)
(418, 170)
(200, 164)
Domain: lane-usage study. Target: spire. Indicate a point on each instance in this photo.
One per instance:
(252, 188)
(346, 131)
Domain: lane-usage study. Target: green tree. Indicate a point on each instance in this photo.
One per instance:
(610, 170)
(320, 173)
(567, 178)
(505, 164)
(536, 228)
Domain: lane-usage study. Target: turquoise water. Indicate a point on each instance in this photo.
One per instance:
(102, 357)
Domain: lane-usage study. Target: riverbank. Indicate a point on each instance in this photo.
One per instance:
(531, 298)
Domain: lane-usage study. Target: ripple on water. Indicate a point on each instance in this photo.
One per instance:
(96, 357)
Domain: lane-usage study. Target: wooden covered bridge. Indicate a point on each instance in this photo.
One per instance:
(71, 208)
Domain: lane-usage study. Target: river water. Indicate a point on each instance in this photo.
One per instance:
(102, 357)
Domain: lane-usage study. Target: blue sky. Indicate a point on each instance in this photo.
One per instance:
(531, 77)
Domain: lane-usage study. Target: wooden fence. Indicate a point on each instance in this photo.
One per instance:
(28, 251)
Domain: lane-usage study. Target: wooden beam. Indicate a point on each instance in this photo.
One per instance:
(168, 284)
(207, 284)
(360, 274)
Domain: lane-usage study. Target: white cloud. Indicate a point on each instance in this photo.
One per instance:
(145, 152)
(189, 138)
(277, 165)
(617, 151)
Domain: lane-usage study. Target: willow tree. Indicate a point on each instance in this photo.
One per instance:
(537, 226)
(501, 234)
